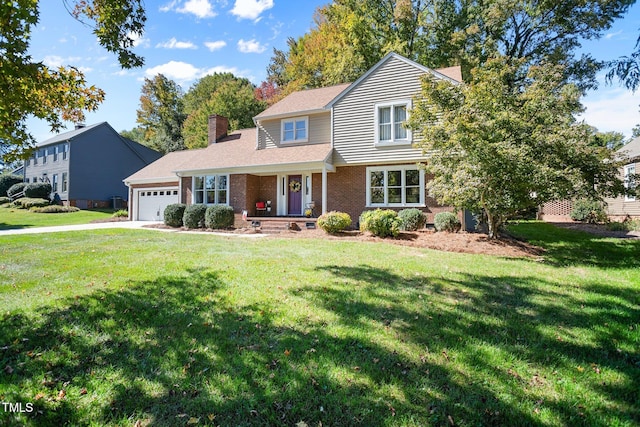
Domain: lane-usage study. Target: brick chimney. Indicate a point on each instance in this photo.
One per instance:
(218, 127)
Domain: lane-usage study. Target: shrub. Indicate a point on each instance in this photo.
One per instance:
(28, 203)
(15, 189)
(56, 209)
(381, 223)
(7, 181)
(122, 213)
(4, 200)
(173, 214)
(412, 219)
(194, 216)
(446, 221)
(334, 222)
(38, 190)
(589, 211)
(219, 216)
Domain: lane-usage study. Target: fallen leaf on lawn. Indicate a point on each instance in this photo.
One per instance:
(62, 394)
(301, 424)
(181, 415)
(580, 369)
(38, 396)
(193, 420)
(83, 391)
(287, 352)
(211, 417)
(8, 369)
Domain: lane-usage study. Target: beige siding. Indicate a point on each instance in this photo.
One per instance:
(354, 115)
(618, 207)
(319, 131)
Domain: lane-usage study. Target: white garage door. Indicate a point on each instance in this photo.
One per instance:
(152, 201)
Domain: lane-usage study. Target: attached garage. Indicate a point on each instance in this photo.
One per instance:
(151, 202)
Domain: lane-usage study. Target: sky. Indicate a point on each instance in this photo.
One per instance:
(188, 39)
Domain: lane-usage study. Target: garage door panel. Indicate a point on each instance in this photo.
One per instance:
(152, 202)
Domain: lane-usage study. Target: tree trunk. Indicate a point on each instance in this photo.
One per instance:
(494, 222)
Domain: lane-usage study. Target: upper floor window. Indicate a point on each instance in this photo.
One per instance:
(295, 130)
(43, 154)
(391, 119)
(629, 181)
(395, 186)
(211, 189)
(55, 153)
(65, 149)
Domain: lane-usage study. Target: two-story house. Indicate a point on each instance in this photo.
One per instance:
(343, 148)
(627, 205)
(86, 166)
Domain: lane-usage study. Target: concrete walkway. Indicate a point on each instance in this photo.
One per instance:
(114, 224)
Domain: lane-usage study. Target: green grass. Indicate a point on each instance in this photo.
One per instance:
(12, 218)
(113, 327)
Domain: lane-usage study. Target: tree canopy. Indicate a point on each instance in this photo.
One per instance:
(349, 36)
(500, 149)
(28, 88)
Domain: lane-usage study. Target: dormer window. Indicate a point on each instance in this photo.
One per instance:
(391, 119)
(295, 130)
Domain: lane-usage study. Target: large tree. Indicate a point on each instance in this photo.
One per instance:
(627, 69)
(220, 93)
(351, 35)
(28, 88)
(498, 148)
(161, 114)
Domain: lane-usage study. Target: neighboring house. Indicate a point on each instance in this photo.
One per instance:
(86, 166)
(623, 206)
(341, 148)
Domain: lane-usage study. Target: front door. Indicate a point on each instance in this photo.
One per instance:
(294, 195)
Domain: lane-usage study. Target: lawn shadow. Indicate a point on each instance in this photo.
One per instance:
(478, 320)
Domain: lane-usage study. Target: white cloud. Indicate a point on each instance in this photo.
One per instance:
(172, 43)
(55, 61)
(199, 8)
(609, 36)
(250, 46)
(250, 9)
(612, 109)
(183, 72)
(138, 39)
(217, 45)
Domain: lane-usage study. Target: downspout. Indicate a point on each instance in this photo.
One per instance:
(324, 188)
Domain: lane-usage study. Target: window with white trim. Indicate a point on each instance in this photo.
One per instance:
(64, 182)
(395, 186)
(295, 130)
(54, 183)
(391, 120)
(211, 189)
(629, 181)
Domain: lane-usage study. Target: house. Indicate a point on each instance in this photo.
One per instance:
(86, 166)
(343, 148)
(623, 206)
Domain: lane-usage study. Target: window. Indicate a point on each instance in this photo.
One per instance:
(629, 181)
(64, 182)
(211, 189)
(391, 119)
(65, 150)
(43, 154)
(295, 130)
(54, 183)
(55, 153)
(35, 158)
(395, 186)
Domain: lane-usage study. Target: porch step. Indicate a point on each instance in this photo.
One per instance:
(276, 225)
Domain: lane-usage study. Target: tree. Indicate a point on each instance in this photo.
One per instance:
(223, 94)
(626, 69)
(161, 114)
(635, 132)
(30, 88)
(611, 140)
(501, 149)
(136, 134)
(439, 33)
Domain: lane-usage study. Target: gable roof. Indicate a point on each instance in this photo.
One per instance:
(66, 136)
(164, 168)
(437, 73)
(304, 101)
(631, 150)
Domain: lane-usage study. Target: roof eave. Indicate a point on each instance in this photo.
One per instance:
(291, 114)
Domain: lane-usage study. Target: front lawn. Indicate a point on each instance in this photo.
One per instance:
(11, 218)
(137, 327)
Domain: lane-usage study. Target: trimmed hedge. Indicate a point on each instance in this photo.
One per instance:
(122, 213)
(589, 211)
(38, 190)
(219, 217)
(381, 223)
(447, 221)
(194, 216)
(15, 189)
(412, 219)
(173, 214)
(7, 181)
(29, 202)
(56, 209)
(334, 222)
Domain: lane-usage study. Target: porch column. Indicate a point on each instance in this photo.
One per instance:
(324, 189)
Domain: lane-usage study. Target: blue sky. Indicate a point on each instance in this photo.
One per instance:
(187, 39)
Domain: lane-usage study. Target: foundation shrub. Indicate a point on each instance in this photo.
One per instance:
(194, 216)
(334, 222)
(173, 214)
(446, 221)
(412, 219)
(381, 223)
(219, 217)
